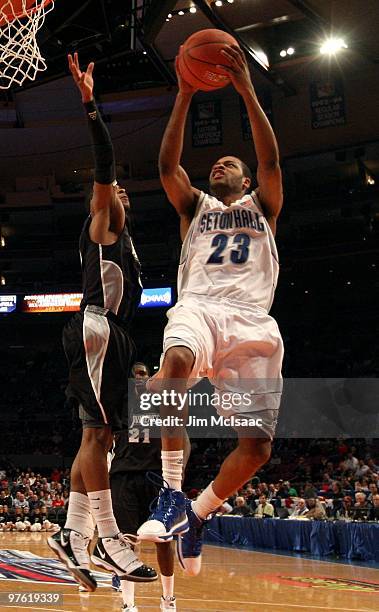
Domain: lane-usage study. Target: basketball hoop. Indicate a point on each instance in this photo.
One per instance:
(20, 57)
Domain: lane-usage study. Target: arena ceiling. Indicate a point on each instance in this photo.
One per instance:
(133, 42)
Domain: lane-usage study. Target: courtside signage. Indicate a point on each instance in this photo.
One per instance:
(52, 302)
(152, 298)
(70, 302)
(8, 303)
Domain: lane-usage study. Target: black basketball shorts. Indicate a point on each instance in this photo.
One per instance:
(99, 354)
(132, 495)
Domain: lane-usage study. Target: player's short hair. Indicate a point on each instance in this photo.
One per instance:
(246, 170)
(140, 363)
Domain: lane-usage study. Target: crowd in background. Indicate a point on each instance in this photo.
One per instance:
(314, 479)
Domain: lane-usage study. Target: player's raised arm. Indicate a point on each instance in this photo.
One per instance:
(174, 178)
(266, 147)
(108, 215)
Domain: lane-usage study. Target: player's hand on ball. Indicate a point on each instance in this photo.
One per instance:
(238, 70)
(83, 80)
(184, 87)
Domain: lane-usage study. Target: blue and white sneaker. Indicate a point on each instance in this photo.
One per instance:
(116, 583)
(188, 546)
(168, 519)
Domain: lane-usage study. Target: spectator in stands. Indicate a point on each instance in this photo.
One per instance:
(272, 491)
(21, 503)
(361, 507)
(374, 511)
(362, 469)
(292, 491)
(34, 503)
(264, 509)
(5, 498)
(300, 508)
(45, 484)
(300, 469)
(351, 462)
(281, 490)
(32, 479)
(373, 466)
(373, 488)
(347, 510)
(240, 507)
(314, 509)
(56, 475)
(309, 491)
(47, 501)
(58, 502)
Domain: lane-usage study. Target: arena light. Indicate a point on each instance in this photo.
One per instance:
(2, 280)
(262, 57)
(283, 53)
(290, 51)
(331, 46)
(218, 3)
(180, 12)
(2, 241)
(192, 9)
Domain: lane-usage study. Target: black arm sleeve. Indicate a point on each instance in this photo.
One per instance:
(105, 167)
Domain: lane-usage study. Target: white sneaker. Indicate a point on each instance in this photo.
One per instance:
(116, 554)
(72, 548)
(168, 603)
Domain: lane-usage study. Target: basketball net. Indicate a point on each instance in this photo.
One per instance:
(20, 57)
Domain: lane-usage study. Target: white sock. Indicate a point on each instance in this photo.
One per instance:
(206, 503)
(101, 508)
(167, 585)
(172, 468)
(79, 516)
(127, 589)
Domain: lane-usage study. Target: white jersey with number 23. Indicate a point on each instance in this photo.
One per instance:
(229, 253)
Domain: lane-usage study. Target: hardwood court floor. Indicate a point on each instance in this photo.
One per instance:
(231, 580)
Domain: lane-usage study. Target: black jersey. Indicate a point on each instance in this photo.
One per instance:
(111, 274)
(138, 448)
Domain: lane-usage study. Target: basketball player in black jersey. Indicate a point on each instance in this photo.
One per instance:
(98, 350)
(137, 451)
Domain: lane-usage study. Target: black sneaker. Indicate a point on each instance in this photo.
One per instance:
(72, 549)
(116, 554)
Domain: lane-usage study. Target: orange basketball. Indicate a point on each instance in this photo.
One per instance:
(199, 57)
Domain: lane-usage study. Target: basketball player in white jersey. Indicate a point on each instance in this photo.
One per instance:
(220, 326)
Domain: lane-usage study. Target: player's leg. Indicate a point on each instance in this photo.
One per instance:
(188, 347)
(98, 371)
(125, 507)
(71, 543)
(249, 358)
(148, 491)
(169, 517)
(165, 556)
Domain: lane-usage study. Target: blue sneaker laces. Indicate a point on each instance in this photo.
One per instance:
(165, 500)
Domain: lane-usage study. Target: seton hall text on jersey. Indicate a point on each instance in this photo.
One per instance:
(231, 219)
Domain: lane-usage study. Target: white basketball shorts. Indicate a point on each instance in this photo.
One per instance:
(239, 348)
